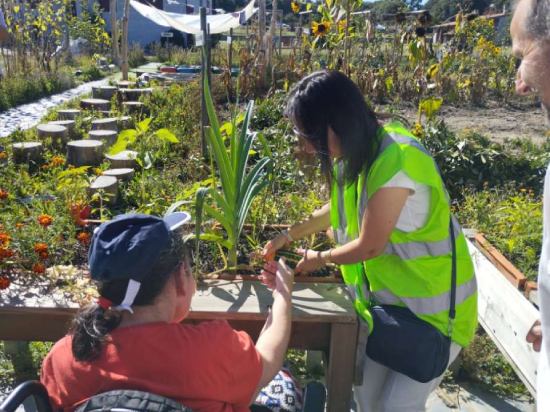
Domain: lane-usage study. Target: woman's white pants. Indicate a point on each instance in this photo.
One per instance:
(384, 390)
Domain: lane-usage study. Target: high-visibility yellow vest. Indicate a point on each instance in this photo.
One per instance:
(415, 268)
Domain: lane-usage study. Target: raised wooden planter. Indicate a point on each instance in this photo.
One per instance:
(95, 104)
(84, 152)
(27, 152)
(68, 114)
(107, 136)
(104, 92)
(107, 123)
(528, 287)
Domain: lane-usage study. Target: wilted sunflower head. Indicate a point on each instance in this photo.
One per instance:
(295, 7)
(320, 28)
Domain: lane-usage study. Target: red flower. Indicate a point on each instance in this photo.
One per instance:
(45, 220)
(4, 239)
(40, 247)
(4, 282)
(38, 268)
(3, 194)
(80, 213)
(5, 253)
(83, 237)
(43, 255)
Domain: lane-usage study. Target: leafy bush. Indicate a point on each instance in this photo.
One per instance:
(510, 220)
(473, 161)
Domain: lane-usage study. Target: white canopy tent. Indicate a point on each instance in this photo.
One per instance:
(190, 23)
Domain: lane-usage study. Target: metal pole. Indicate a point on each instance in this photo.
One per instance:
(204, 68)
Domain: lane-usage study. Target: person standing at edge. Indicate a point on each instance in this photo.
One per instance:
(530, 31)
(398, 246)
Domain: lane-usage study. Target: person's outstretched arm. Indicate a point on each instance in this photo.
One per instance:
(273, 340)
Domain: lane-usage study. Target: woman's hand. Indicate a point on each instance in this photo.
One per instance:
(279, 277)
(271, 247)
(310, 262)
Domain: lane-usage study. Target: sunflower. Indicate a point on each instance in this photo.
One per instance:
(320, 29)
(342, 25)
(295, 6)
(45, 220)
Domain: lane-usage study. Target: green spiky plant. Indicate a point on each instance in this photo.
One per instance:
(229, 202)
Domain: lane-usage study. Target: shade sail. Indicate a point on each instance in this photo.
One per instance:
(191, 23)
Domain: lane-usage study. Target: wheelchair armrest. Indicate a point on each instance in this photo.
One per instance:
(25, 390)
(315, 395)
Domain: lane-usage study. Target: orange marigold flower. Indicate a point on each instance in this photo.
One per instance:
(57, 161)
(3, 155)
(38, 268)
(80, 212)
(19, 225)
(83, 237)
(45, 220)
(4, 282)
(4, 239)
(6, 253)
(3, 194)
(40, 247)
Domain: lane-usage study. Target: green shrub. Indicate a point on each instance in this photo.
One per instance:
(136, 55)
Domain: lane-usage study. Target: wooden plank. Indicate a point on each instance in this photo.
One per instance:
(506, 316)
(340, 373)
(239, 299)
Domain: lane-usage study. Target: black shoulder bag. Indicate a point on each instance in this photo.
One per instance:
(403, 342)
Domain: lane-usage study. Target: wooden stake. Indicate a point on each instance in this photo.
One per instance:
(114, 32)
(124, 66)
(204, 72)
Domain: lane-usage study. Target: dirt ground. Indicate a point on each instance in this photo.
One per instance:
(494, 121)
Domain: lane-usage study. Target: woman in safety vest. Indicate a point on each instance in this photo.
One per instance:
(390, 216)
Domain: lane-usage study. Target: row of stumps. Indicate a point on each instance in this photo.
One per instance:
(102, 134)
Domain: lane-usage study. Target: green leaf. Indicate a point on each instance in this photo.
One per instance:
(143, 126)
(73, 172)
(167, 136)
(175, 206)
(125, 138)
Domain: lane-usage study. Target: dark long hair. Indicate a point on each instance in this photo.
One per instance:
(92, 325)
(330, 99)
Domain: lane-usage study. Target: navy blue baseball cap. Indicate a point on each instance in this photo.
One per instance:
(127, 246)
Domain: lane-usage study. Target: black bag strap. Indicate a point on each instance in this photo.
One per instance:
(452, 309)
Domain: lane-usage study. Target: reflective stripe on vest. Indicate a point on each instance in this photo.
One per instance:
(431, 305)
(341, 235)
(413, 250)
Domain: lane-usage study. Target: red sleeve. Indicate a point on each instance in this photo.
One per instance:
(236, 358)
(47, 378)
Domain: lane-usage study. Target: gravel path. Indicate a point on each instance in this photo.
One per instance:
(28, 115)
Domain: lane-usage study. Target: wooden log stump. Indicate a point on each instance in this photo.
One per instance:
(107, 123)
(108, 137)
(84, 152)
(123, 160)
(69, 124)
(125, 84)
(95, 104)
(133, 108)
(68, 114)
(124, 122)
(104, 92)
(58, 133)
(107, 187)
(123, 174)
(27, 152)
(134, 94)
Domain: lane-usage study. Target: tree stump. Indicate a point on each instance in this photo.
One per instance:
(107, 123)
(133, 108)
(106, 187)
(84, 152)
(69, 124)
(124, 122)
(103, 92)
(95, 104)
(108, 137)
(59, 134)
(133, 94)
(123, 160)
(125, 84)
(68, 114)
(27, 152)
(124, 174)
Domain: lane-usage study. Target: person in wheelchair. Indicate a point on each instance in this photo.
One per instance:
(133, 338)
